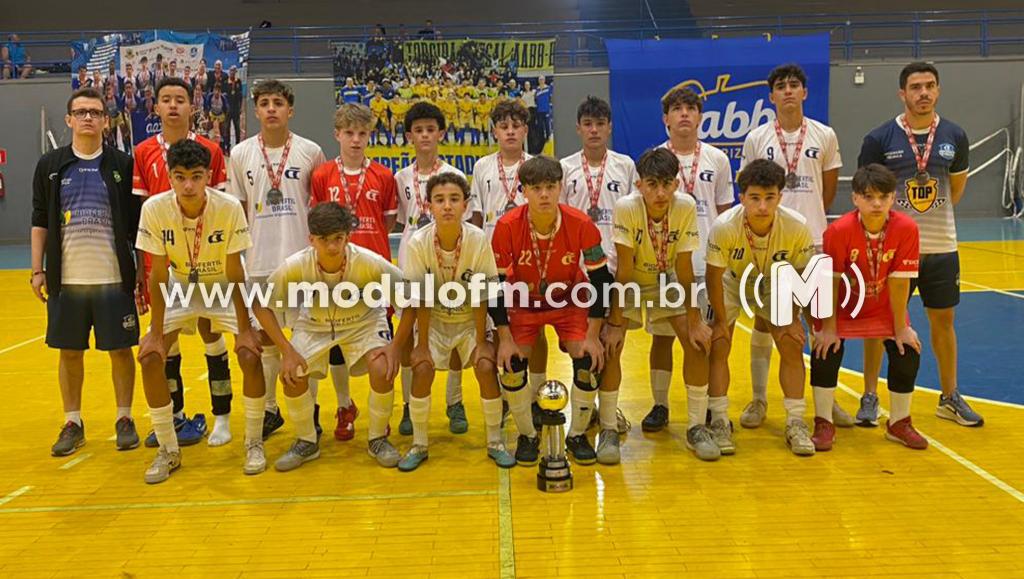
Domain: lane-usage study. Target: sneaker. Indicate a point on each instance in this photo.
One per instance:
(255, 458)
(271, 422)
(386, 454)
(189, 432)
(955, 408)
(405, 426)
(527, 450)
(346, 428)
(702, 443)
(580, 449)
(497, 452)
(840, 417)
(798, 438)
(536, 412)
(656, 419)
(457, 423)
(903, 432)
(72, 437)
(824, 434)
(753, 415)
(721, 432)
(622, 424)
(127, 436)
(163, 465)
(416, 456)
(608, 447)
(867, 415)
(302, 451)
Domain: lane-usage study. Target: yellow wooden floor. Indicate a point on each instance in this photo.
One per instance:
(869, 507)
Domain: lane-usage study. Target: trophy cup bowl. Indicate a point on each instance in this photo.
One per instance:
(553, 475)
(553, 396)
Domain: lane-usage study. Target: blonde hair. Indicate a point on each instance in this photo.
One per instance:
(353, 115)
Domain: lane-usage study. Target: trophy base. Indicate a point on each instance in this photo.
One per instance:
(554, 476)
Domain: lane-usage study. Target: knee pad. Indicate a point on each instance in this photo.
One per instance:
(902, 371)
(515, 380)
(825, 373)
(336, 357)
(582, 377)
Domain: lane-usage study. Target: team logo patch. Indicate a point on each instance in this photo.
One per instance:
(128, 322)
(921, 198)
(947, 151)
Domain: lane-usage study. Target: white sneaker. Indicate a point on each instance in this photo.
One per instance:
(841, 417)
(255, 458)
(754, 414)
(163, 465)
(798, 438)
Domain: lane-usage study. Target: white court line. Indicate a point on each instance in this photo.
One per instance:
(992, 289)
(15, 495)
(202, 376)
(74, 461)
(16, 346)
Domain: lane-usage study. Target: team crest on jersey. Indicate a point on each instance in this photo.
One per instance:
(947, 151)
(887, 256)
(812, 153)
(613, 185)
(569, 259)
(291, 173)
(921, 198)
(707, 176)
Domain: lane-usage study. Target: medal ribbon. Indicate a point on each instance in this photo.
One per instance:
(275, 176)
(688, 184)
(344, 181)
(510, 192)
(783, 148)
(595, 192)
(542, 262)
(922, 159)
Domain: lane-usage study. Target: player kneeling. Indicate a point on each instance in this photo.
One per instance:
(201, 233)
(452, 251)
(360, 331)
(884, 246)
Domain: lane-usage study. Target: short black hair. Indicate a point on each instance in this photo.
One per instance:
(594, 108)
(761, 173)
(329, 218)
(540, 169)
(784, 71)
(448, 178)
(187, 154)
(174, 81)
(874, 176)
(509, 109)
(916, 67)
(272, 86)
(86, 93)
(681, 95)
(658, 163)
(424, 111)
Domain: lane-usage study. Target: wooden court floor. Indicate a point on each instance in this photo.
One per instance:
(868, 507)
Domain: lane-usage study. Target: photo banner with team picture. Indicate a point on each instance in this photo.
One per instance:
(126, 68)
(730, 73)
(464, 78)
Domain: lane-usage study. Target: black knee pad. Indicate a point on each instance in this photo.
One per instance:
(336, 357)
(515, 380)
(825, 373)
(902, 371)
(582, 377)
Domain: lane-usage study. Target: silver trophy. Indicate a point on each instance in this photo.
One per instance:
(554, 475)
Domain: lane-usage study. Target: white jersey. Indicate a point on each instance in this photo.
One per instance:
(618, 181)
(362, 266)
(713, 188)
(820, 153)
(475, 256)
(164, 230)
(278, 229)
(631, 230)
(411, 197)
(488, 195)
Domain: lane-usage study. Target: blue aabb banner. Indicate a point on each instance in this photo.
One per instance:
(731, 73)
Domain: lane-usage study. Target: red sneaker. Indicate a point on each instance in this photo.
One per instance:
(346, 428)
(824, 434)
(903, 432)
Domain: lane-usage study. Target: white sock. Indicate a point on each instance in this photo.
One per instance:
(760, 362)
(221, 433)
(719, 406)
(75, 417)
(380, 412)
(607, 407)
(795, 408)
(582, 402)
(492, 418)
(122, 412)
(271, 359)
(300, 412)
(406, 378)
(660, 382)
(899, 406)
(453, 392)
(537, 379)
(218, 348)
(519, 403)
(254, 408)
(163, 425)
(419, 414)
(314, 389)
(339, 375)
(696, 405)
(823, 400)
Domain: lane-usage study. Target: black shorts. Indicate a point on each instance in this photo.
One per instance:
(73, 312)
(938, 280)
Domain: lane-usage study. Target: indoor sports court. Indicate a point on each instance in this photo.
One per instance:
(865, 507)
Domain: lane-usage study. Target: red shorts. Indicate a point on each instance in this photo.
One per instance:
(570, 324)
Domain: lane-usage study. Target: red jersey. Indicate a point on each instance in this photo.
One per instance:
(847, 244)
(575, 238)
(150, 175)
(373, 202)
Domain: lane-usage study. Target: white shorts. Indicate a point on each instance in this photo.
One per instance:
(446, 338)
(355, 341)
(186, 318)
(285, 318)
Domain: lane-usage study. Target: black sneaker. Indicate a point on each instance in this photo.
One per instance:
(580, 449)
(656, 419)
(127, 436)
(536, 412)
(71, 438)
(527, 450)
(271, 422)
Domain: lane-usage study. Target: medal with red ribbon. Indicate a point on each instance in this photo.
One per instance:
(792, 180)
(922, 177)
(275, 196)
